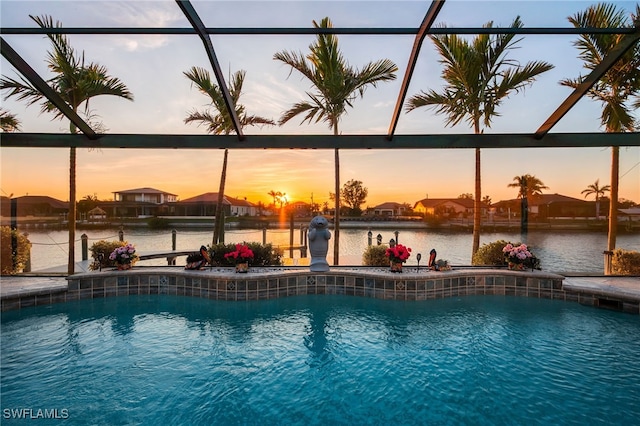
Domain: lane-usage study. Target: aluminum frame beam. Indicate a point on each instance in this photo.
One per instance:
(198, 25)
(428, 20)
(444, 141)
(312, 31)
(627, 42)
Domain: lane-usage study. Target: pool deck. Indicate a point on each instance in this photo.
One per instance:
(42, 285)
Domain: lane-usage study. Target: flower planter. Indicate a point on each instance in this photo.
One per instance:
(124, 256)
(519, 258)
(396, 267)
(241, 256)
(516, 266)
(397, 254)
(242, 268)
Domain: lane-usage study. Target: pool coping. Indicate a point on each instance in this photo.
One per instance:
(618, 293)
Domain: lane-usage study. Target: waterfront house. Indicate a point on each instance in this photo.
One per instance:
(548, 206)
(444, 207)
(35, 206)
(142, 202)
(299, 209)
(203, 205)
(241, 207)
(388, 209)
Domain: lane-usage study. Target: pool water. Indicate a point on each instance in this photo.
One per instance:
(321, 360)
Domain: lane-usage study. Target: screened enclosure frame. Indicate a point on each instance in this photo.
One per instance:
(541, 138)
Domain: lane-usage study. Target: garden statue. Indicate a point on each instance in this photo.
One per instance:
(319, 236)
(432, 260)
(198, 260)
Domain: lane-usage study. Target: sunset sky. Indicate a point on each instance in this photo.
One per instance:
(152, 67)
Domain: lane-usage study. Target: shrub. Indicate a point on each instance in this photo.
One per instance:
(625, 262)
(490, 254)
(104, 248)
(263, 254)
(6, 256)
(375, 256)
(158, 223)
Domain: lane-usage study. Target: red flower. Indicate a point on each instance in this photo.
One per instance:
(398, 253)
(241, 253)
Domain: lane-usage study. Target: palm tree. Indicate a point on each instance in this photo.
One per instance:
(8, 121)
(598, 191)
(76, 82)
(528, 187)
(338, 85)
(282, 199)
(219, 123)
(478, 77)
(275, 195)
(617, 87)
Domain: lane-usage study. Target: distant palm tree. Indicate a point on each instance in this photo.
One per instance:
(338, 85)
(275, 195)
(8, 121)
(478, 78)
(617, 87)
(219, 122)
(598, 191)
(282, 199)
(76, 82)
(528, 187)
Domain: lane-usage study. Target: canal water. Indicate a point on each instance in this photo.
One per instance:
(559, 251)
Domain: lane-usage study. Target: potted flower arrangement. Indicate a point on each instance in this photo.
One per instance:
(241, 257)
(124, 256)
(518, 257)
(397, 255)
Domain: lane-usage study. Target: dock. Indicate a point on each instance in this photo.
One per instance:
(85, 265)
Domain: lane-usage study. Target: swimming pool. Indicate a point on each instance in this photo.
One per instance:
(321, 359)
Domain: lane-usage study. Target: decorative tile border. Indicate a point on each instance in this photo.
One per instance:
(223, 284)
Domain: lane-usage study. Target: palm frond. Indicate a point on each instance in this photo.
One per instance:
(337, 84)
(297, 109)
(297, 61)
(22, 90)
(75, 82)
(621, 83)
(221, 123)
(478, 75)
(8, 121)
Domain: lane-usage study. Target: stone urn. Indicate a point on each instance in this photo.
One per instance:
(319, 236)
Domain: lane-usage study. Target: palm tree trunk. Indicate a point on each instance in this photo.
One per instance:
(72, 209)
(336, 226)
(219, 225)
(477, 205)
(613, 207)
(524, 209)
(524, 216)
